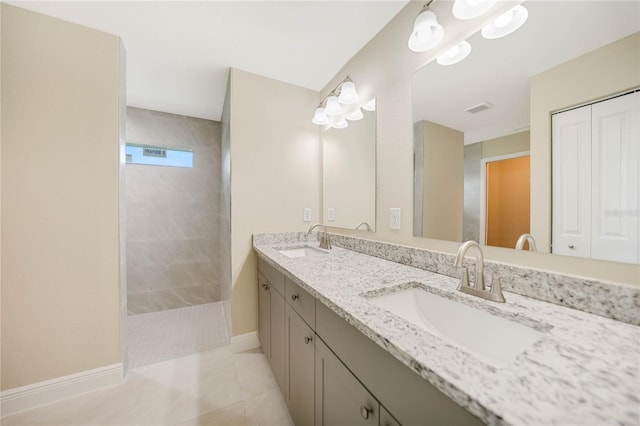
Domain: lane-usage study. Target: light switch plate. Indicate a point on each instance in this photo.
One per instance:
(306, 217)
(331, 214)
(394, 218)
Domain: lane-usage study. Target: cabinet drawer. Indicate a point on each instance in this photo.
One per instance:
(275, 278)
(302, 302)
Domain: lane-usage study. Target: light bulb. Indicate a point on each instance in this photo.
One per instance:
(348, 94)
(456, 54)
(320, 117)
(506, 23)
(333, 107)
(427, 33)
(341, 124)
(469, 9)
(370, 106)
(355, 115)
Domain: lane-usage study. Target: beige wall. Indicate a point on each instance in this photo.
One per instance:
(605, 71)
(443, 185)
(60, 177)
(383, 68)
(275, 174)
(349, 173)
(510, 144)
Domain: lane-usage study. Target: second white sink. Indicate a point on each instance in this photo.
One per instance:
(300, 251)
(494, 339)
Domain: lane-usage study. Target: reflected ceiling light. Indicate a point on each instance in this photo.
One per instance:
(348, 94)
(320, 118)
(341, 124)
(469, 9)
(370, 106)
(355, 115)
(427, 33)
(455, 54)
(506, 23)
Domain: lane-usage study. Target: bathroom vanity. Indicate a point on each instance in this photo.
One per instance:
(342, 356)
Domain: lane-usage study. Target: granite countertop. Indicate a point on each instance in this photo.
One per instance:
(584, 371)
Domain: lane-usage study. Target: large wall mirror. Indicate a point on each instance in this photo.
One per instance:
(483, 129)
(349, 174)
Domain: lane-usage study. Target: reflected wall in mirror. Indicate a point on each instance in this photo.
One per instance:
(349, 174)
(482, 127)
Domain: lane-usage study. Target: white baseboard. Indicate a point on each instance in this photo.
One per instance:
(244, 342)
(27, 397)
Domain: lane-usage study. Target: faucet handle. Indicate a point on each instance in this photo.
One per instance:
(496, 287)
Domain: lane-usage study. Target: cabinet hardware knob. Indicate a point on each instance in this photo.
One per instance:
(307, 339)
(571, 246)
(365, 411)
(295, 297)
(264, 285)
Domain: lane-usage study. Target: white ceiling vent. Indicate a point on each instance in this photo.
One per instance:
(480, 107)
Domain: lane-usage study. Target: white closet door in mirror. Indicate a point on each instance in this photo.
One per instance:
(615, 163)
(571, 175)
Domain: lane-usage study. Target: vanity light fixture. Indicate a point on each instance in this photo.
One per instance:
(455, 54)
(370, 106)
(506, 23)
(339, 106)
(427, 33)
(469, 9)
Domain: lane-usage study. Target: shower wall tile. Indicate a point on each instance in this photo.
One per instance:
(173, 215)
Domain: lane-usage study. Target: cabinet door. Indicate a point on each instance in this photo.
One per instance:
(264, 315)
(615, 161)
(340, 398)
(386, 419)
(571, 176)
(277, 320)
(299, 369)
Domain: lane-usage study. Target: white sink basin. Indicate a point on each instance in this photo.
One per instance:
(301, 251)
(494, 339)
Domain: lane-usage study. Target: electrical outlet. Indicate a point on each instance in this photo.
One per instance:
(394, 218)
(306, 217)
(331, 214)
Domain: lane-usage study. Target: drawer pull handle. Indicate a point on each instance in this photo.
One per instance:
(365, 411)
(308, 339)
(295, 297)
(571, 246)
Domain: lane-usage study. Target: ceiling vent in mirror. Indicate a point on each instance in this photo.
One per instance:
(480, 107)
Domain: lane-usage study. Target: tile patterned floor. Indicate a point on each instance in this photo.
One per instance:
(208, 388)
(163, 335)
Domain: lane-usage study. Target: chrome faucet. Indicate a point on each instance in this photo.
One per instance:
(325, 242)
(367, 227)
(478, 288)
(524, 238)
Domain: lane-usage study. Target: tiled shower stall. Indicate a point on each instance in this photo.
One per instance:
(173, 224)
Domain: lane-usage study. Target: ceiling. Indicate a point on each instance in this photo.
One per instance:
(179, 52)
(498, 71)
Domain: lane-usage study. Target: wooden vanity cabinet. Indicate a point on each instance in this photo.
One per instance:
(271, 318)
(331, 374)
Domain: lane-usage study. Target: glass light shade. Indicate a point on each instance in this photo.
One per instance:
(355, 115)
(320, 117)
(427, 33)
(456, 54)
(506, 23)
(333, 107)
(348, 94)
(370, 106)
(341, 124)
(469, 9)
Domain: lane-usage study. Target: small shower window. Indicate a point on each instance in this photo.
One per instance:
(159, 156)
